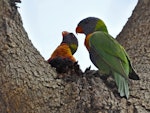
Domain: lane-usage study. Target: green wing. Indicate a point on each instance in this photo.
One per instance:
(107, 54)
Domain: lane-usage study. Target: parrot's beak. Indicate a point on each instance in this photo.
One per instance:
(79, 29)
(65, 33)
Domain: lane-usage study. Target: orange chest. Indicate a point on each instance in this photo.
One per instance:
(63, 51)
(86, 42)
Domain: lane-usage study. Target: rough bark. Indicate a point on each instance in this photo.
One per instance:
(28, 84)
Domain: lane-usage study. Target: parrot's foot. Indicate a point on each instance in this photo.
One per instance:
(90, 73)
(96, 73)
(87, 69)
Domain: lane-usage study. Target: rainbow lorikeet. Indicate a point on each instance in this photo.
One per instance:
(106, 53)
(62, 58)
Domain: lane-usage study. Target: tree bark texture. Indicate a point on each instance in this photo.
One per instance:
(28, 84)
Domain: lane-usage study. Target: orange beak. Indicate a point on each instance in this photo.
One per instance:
(79, 29)
(65, 33)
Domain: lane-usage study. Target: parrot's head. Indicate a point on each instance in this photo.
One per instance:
(90, 25)
(71, 40)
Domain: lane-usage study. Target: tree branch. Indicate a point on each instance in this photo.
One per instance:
(29, 84)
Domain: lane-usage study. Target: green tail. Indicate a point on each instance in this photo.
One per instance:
(122, 85)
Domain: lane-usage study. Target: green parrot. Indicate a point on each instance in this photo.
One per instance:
(106, 53)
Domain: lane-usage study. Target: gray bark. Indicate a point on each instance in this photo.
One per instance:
(28, 84)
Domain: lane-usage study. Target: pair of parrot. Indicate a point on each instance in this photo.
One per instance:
(105, 53)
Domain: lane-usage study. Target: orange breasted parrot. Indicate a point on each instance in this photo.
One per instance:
(62, 57)
(106, 53)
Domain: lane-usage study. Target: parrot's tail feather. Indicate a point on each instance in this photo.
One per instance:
(122, 85)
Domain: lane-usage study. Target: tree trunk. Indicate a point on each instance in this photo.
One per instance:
(28, 84)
